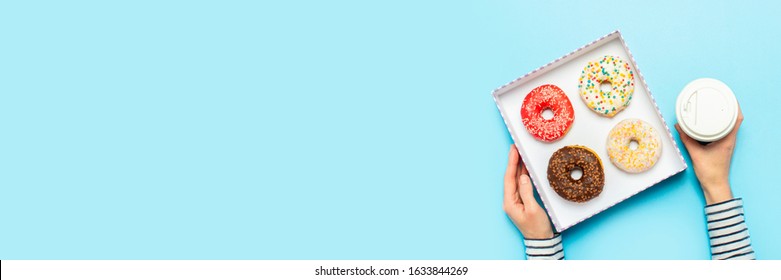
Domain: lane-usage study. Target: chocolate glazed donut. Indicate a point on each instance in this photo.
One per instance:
(566, 159)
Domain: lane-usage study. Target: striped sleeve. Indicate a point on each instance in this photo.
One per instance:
(544, 249)
(729, 238)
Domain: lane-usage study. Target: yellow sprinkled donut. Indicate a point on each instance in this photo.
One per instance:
(649, 147)
(612, 70)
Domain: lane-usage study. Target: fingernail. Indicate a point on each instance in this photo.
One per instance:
(524, 179)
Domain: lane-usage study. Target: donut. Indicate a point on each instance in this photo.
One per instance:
(613, 70)
(567, 159)
(649, 147)
(538, 100)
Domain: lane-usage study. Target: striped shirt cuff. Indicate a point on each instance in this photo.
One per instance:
(729, 238)
(544, 249)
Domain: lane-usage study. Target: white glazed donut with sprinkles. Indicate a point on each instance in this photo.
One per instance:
(612, 70)
(647, 153)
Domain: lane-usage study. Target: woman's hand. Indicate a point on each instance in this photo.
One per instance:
(519, 202)
(712, 161)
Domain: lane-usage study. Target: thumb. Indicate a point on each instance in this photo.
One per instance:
(526, 190)
(691, 145)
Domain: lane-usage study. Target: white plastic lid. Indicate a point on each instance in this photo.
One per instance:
(706, 109)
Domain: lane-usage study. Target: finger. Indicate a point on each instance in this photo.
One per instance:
(522, 173)
(510, 179)
(740, 116)
(691, 145)
(513, 160)
(526, 190)
(523, 168)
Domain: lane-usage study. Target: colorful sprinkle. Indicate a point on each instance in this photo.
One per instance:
(614, 71)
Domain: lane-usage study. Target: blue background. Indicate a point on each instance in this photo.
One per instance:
(339, 129)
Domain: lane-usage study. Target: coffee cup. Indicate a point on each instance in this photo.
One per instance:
(707, 110)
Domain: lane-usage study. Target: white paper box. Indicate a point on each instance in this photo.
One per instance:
(589, 129)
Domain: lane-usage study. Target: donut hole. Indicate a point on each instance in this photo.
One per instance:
(547, 114)
(576, 173)
(605, 86)
(633, 145)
